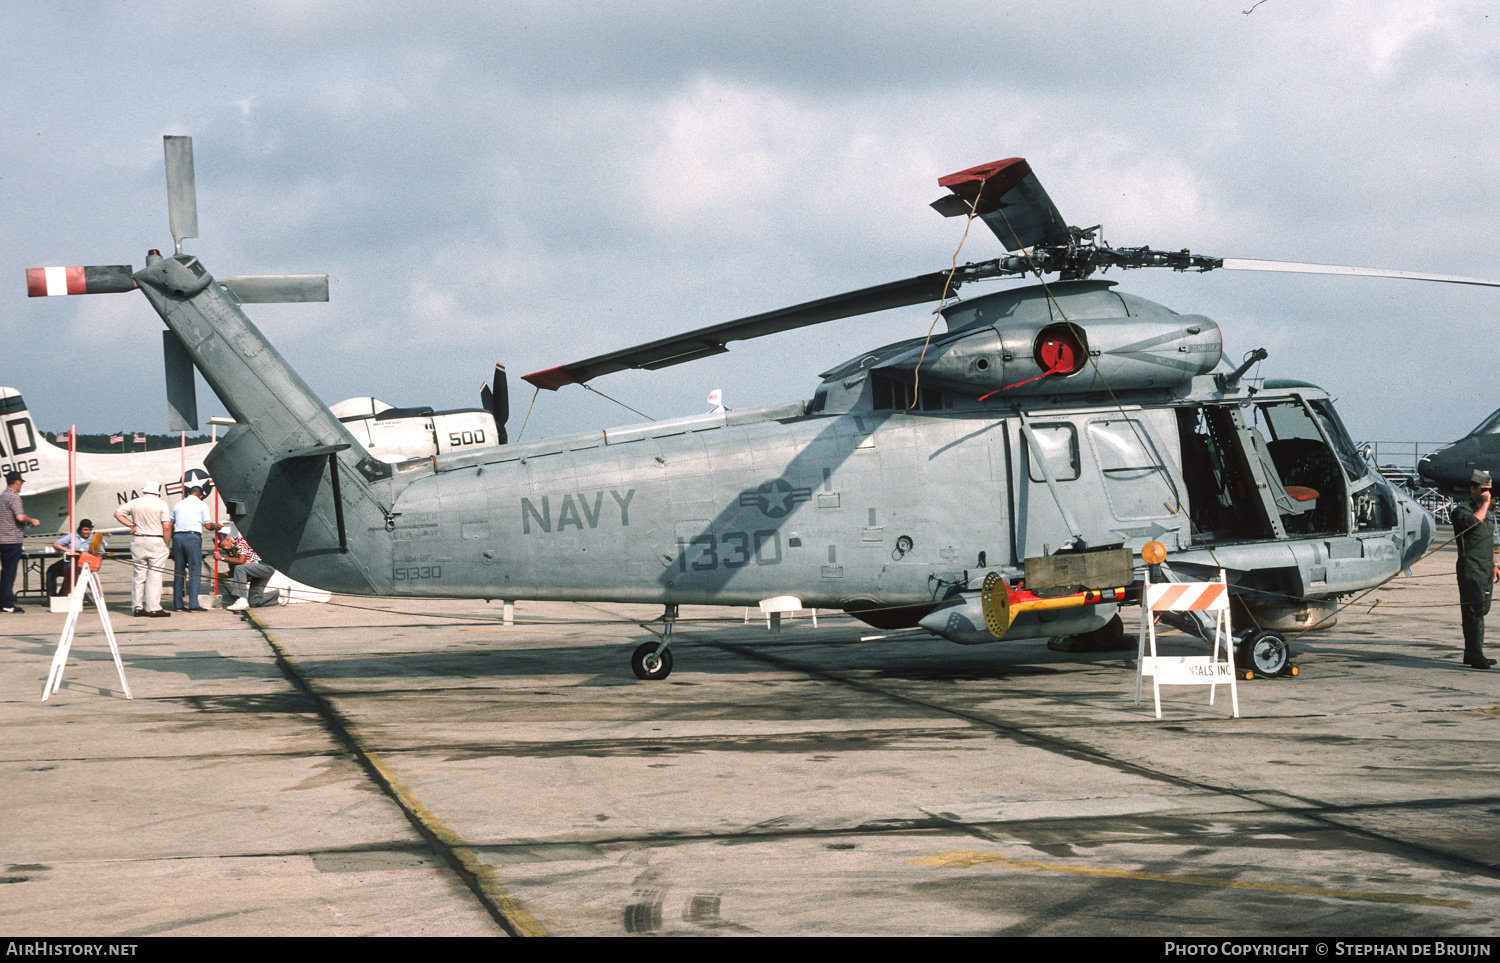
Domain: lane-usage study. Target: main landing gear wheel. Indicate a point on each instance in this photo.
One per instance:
(648, 664)
(1265, 653)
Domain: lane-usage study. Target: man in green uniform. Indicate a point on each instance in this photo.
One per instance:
(1477, 571)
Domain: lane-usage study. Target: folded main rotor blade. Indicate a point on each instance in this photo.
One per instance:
(277, 288)
(1293, 267)
(1009, 198)
(712, 340)
(182, 194)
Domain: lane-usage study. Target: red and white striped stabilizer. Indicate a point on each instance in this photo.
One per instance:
(1187, 597)
(50, 282)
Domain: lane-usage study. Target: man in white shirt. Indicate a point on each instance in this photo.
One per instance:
(150, 522)
(190, 518)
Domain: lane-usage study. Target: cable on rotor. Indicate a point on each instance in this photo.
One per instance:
(916, 389)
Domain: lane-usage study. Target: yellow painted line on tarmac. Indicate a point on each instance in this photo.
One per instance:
(491, 888)
(963, 859)
(494, 891)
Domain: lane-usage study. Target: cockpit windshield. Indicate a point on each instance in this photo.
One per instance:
(1488, 426)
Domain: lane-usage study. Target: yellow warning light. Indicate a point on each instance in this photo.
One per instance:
(1153, 553)
(1294, 670)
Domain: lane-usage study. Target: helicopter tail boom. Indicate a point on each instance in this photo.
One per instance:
(287, 452)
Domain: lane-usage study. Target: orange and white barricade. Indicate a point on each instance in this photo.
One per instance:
(87, 583)
(1209, 598)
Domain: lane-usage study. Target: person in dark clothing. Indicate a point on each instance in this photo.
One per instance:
(11, 520)
(1474, 530)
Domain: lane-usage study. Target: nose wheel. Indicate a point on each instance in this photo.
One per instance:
(1265, 653)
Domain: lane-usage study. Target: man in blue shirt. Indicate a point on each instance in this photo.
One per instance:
(71, 545)
(190, 519)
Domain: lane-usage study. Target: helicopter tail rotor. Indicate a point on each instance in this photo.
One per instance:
(182, 213)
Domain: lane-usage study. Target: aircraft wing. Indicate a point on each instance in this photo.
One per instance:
(29, 489)
(692, 345)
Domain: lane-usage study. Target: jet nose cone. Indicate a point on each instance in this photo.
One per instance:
(1442, 469)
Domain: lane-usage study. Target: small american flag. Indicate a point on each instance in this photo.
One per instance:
(117, 439)
(140, 439)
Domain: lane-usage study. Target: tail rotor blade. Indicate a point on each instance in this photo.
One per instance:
(55, 281)
(277, 288)
(182, 193)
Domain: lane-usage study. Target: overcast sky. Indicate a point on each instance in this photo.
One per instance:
(534, 183)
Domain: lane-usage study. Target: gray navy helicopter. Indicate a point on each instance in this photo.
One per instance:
(998, 481)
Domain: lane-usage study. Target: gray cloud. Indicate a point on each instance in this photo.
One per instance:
(534, 183)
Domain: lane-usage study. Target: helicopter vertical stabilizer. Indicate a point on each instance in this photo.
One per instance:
(287, 449)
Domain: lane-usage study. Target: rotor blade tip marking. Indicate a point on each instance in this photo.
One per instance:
(551, 378)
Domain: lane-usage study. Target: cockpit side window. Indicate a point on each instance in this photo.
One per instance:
(1315, 499)
(1343, 445)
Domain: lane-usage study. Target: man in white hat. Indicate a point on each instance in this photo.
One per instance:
(150, 522)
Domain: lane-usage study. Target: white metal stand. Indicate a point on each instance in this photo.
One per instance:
(87, 582)
(775, 608)
(1207, 670)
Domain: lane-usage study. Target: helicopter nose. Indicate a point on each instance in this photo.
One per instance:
(1417, 528)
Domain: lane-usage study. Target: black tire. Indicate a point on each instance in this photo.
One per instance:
(646, 664)
(1264, 652)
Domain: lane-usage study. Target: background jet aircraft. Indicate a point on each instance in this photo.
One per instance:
(1448, 469)
(396, 435)
(104, 482)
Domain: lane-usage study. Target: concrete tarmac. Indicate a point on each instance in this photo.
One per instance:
(418, 768)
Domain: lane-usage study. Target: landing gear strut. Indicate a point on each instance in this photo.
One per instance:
(653, 660)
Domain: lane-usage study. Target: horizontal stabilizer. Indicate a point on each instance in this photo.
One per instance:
(277, 288)
(317, 451)
(51, 282)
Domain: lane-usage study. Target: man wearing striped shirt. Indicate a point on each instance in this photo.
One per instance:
(11, 520)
